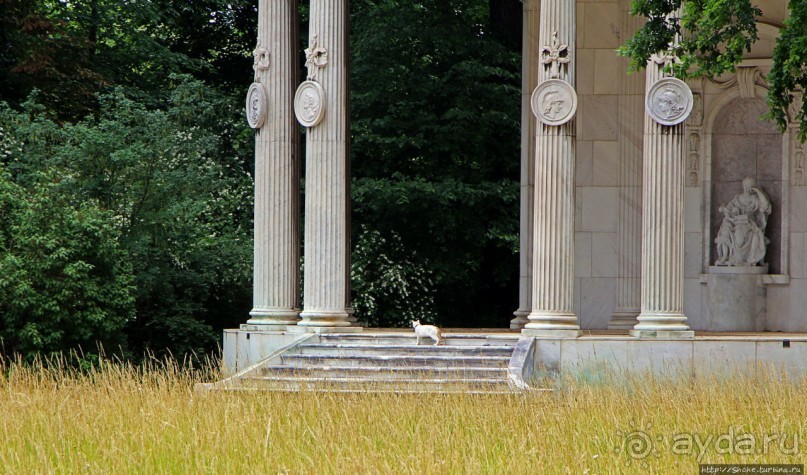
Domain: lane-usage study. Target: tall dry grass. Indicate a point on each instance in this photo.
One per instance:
(120, 418)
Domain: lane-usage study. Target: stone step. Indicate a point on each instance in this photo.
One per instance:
(340, 349)
(408, 338)
(386, 372)
(377, 390)
(303, 360)
(315, 383)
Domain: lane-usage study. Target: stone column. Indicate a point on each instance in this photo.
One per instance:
(327, 198)
(529, 79)
(554, 101)
(629, 230)
(276, 287)
(662, 282)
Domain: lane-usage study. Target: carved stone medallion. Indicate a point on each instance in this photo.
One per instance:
(256, 105)
(669, 101)
(309, 103)
(554, 102)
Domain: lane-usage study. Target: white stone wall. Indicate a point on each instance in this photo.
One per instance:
(597, 173)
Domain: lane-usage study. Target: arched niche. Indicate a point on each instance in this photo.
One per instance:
(742, 144)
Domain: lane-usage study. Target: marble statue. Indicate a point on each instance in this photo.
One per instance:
(741, 239)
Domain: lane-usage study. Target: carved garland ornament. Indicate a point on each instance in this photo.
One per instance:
(669, 101)
(555, 55)
(260, 63)
(316, 57)
(554, 102)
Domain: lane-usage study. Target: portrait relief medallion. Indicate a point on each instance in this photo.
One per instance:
(554, 102)
(309, 103)
(669, 101)
(256, 105)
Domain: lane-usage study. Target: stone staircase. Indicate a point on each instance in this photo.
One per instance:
(387, 362)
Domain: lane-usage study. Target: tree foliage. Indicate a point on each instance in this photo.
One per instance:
(65, 281)
(175, 197)
(435, 123)
(788, 74)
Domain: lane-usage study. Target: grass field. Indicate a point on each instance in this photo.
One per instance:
(122, 419)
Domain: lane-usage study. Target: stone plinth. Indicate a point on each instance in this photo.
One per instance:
(736, 299)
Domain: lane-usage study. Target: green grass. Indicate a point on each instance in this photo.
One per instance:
(124, 419)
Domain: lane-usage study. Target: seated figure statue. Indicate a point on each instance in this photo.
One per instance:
(741, 239)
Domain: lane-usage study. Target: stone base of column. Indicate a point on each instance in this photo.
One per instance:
(667, 326)
(273, 317)
(623, 320)
(350, 329)
(663, 334)
(317, 320)
(520, 321)
(544, 333)
(552, 325)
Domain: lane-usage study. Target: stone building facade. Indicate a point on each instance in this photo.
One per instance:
(619, 213)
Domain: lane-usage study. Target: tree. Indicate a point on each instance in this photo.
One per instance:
(65, 281)
(435, 124)
(709, 37)
(172, 188)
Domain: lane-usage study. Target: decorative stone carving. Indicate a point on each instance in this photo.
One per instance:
(693, 159)
(316, 57)
(256, 105)
(669, 101)
(260, 63)
(309, 103)
(799, 177)
(741, 239)
(554, 102)
(746, 80)
(696, 117)
(554, 55)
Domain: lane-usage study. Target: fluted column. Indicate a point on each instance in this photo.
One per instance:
(629, 230)
(662, 281)
(327, 235)
(276, 288)
(552, 311)
(529, 79)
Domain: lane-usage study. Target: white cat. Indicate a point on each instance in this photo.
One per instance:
(429, 331)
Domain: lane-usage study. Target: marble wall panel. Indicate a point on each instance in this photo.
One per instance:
(582, 254)
(604, 252)
(608, 68)
(596, 117)
(584, 163)
(601, 22)
(597, 302)
(694, 298)
(605, 163)
(598, 206)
